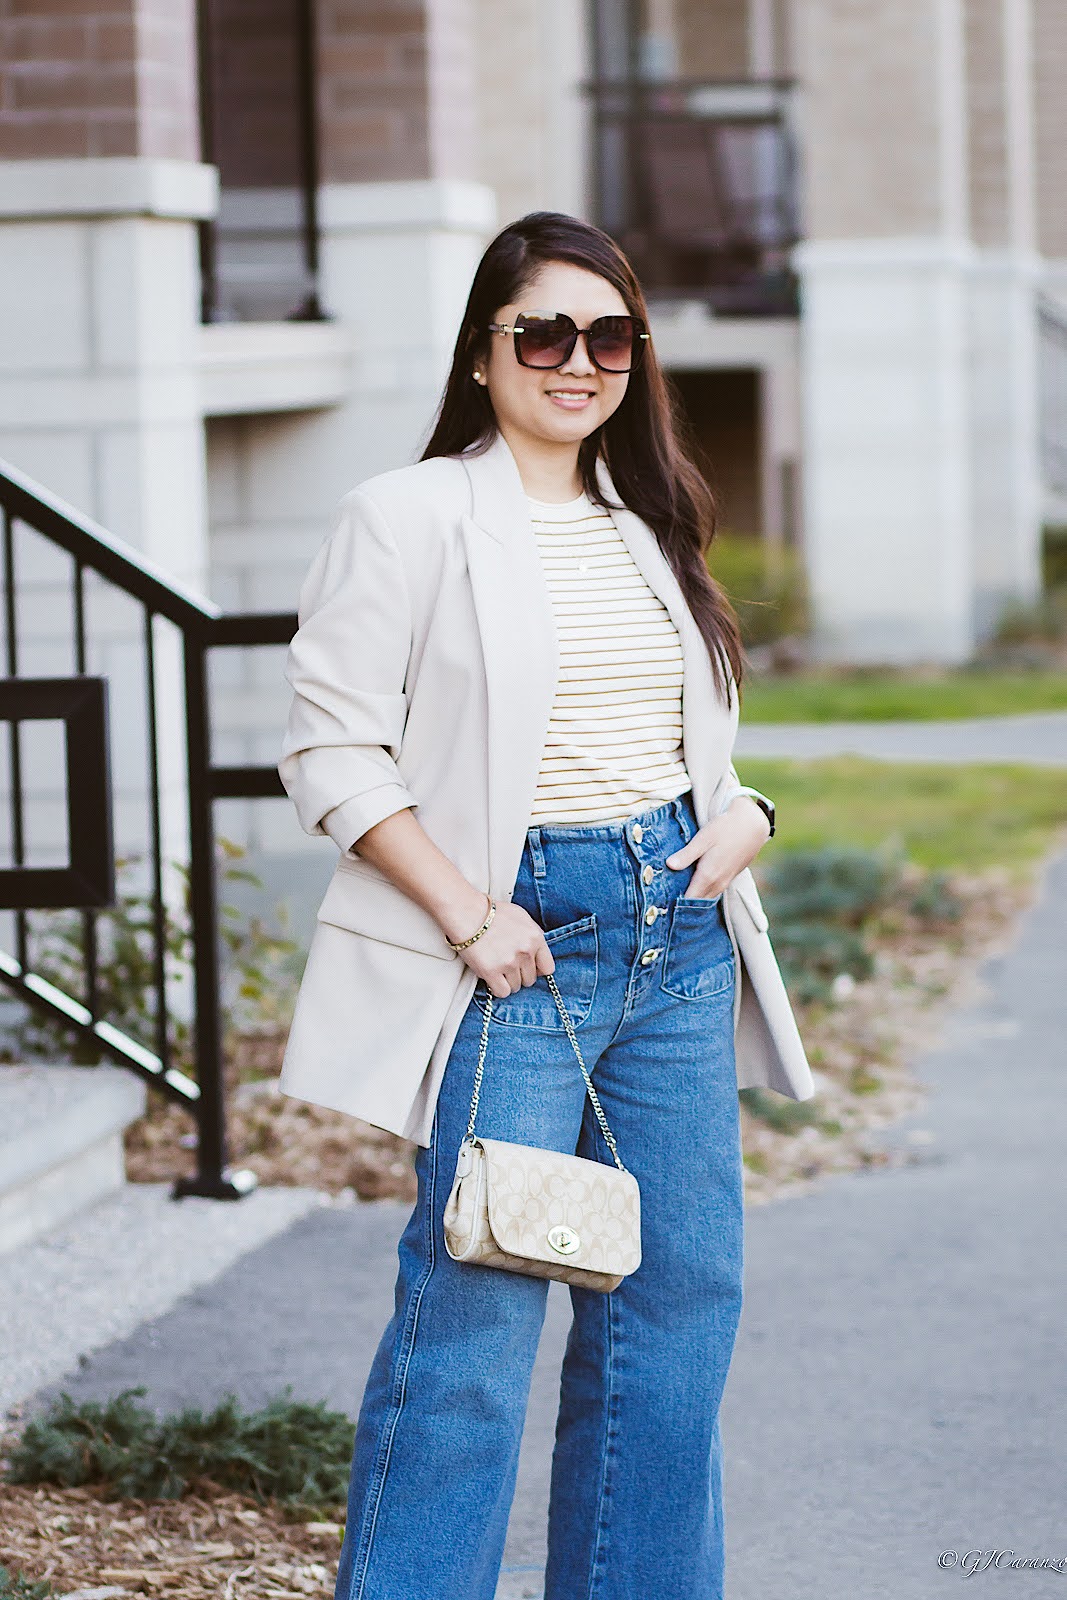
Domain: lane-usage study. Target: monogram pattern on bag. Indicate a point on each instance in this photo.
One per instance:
(501, 1212)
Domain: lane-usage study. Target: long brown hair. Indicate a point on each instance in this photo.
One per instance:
(640, 441)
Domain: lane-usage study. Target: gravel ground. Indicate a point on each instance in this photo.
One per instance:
(128, 1259)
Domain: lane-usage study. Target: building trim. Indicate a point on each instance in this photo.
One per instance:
(443, 204)
(108, 186)
(849, 255)
(273, 366)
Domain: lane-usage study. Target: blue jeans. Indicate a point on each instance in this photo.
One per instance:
(636, 1494)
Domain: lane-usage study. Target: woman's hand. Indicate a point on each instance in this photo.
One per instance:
(723, 847)
(512, 953)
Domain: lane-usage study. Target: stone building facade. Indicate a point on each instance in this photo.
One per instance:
(236, 238)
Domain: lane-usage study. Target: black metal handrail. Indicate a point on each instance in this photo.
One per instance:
(202, 626)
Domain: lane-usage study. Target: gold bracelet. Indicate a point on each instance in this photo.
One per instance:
(465, 942)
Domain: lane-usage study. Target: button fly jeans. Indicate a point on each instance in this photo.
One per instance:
(636, 1490)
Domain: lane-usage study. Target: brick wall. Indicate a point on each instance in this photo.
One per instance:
(1050, 93)
(396, 89)
(452, 85)
(98, 78)
(870, 126)
(255, 52)
(986, 109)
(373, 121)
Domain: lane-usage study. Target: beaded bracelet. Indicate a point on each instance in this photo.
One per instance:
(465, 942)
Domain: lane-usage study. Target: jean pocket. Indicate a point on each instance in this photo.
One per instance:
(575, 950)
(698, 958)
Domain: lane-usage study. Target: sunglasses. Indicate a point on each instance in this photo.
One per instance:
(547, 340)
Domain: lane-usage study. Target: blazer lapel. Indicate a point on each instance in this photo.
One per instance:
(520, 648)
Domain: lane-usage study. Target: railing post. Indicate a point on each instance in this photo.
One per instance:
(212, 1179)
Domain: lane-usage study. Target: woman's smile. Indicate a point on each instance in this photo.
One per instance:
(571, 399)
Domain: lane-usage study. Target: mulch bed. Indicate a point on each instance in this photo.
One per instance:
(202, 1547)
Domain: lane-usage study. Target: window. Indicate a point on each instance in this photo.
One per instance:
(259, 256)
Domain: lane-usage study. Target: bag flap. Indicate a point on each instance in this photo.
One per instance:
(591, 1211)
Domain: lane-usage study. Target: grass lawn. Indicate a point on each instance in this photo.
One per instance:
(886, 697)
(965, 817)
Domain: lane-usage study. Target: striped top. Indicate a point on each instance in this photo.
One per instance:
(614, 740)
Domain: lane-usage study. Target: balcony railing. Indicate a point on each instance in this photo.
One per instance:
(697, 181)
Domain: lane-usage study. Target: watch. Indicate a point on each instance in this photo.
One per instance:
(765, 805)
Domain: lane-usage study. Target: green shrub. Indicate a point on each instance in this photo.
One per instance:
(812, 954)
(1045, 619)
(292, 1452)
(1054, 559)
(934, 900)
(821, 901)
(836, 883)
(258, 987)
(784, 1116)
(16, 1586)
(765, 585)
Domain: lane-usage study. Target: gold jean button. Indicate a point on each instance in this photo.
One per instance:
(647, 874)
(649, 956)
(651, 914)
(637, 833)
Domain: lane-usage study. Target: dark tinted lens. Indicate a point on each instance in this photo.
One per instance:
(544, 341)
(611, 343)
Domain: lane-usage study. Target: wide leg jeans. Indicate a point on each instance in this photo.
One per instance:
(635, 1510)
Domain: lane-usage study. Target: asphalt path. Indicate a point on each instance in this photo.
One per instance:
(899, 1388)
(1035, 738)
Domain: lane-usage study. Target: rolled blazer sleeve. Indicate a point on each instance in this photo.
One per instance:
(346, 665)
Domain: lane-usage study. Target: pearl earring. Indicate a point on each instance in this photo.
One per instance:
(477, 375)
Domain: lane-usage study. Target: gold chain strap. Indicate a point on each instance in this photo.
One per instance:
(569, 1026)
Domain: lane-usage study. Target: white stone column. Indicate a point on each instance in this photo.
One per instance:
(1004, 389)
(886, 448)
(98, 384)
(397, 260)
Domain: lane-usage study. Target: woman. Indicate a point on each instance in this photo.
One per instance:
(514, 705)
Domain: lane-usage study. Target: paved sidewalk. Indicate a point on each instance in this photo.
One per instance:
(899, 1387)
(106, 1271)
(1036, 738)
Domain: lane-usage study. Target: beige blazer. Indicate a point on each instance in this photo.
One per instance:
(423, 674)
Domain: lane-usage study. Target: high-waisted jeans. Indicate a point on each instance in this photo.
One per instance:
(636, 1492)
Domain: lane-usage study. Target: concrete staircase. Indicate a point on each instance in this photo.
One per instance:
(60, 1143)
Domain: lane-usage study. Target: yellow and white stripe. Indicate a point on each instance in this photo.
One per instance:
(614, 741)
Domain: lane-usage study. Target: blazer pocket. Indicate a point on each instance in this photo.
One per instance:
(363, 900)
